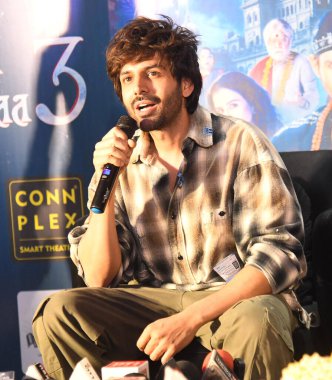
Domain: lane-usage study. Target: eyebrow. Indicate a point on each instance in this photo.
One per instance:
(155, 65)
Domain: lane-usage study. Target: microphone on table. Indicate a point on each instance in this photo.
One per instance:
(126, 369)
(219, 365)
(36, 372)
(110, 172)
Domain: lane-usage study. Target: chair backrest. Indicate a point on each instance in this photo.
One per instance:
(313, 170)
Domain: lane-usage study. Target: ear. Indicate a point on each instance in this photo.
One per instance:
(314, 61)
(187, 87)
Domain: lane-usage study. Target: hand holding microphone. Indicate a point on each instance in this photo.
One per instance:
(111, 171)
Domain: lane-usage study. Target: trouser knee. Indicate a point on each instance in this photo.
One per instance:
(258, 330)
(54, 307)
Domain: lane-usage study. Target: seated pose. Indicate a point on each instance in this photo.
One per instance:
(201, 239)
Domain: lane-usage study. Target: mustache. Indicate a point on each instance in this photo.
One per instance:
(150, 98)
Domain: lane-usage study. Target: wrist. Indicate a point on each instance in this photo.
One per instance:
(193, 315)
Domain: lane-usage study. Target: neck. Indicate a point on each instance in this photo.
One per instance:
(169, 140)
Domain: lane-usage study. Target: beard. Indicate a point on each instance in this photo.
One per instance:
(169, 112)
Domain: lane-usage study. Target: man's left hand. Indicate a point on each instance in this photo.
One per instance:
(165, 337)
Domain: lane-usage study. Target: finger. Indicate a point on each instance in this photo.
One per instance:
(151, 347)
(111, 151)
(170, 352)
(102, 157)
(158, 352)
(114, 141)
(143, 340)
(145, 144)
(116, 131)
(115, 137)
(131, 143)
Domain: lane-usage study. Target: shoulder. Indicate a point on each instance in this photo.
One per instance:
(246, 144)
(298, 57)
(259, 66)
(301, 61)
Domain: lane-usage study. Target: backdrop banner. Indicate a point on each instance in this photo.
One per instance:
(56, 102)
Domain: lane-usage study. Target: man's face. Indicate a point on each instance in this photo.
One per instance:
(278, 44)
(151, 93)
(324, 71)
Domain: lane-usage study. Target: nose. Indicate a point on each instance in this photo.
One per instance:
(280, 40)
(140, 85)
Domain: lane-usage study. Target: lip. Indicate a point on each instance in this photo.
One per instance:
(148, 107)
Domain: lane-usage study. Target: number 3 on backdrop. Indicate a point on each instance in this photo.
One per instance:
(42, 111)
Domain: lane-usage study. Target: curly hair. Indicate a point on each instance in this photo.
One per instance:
(143, 38)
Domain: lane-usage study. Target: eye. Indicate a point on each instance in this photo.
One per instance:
(126, 79)
(329, 65)
(153, 73)
(233, 105)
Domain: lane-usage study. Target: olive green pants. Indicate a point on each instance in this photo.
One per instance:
(103, 324)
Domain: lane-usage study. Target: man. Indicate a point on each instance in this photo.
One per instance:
(285, 74)
(204, 219)
(314, 132)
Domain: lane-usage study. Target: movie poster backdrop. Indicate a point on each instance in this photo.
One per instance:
(56, 102)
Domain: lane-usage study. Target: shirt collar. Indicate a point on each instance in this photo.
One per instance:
(200, 131)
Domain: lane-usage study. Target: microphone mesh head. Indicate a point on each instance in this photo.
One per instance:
(126, 120)
(189, 369)
(128, 125)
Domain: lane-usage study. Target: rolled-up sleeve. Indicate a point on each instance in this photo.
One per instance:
(268, 225)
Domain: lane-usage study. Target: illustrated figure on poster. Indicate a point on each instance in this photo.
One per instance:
(236, 94)
(314, 132)
(209, 71)
(286, 74)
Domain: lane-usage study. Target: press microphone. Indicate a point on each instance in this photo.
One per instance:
(218, 365)
(36, 372)
(126, 368)
(84, 371)
(178, 370)
(110, 172)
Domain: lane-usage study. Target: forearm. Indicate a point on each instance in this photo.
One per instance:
(99, 250)
(249, 282)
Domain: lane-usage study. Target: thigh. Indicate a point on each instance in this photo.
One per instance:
(245, 320)
(103, 311)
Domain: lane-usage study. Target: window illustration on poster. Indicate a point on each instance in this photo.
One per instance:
(258, 61)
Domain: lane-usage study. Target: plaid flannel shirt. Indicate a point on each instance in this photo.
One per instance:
(233, 195)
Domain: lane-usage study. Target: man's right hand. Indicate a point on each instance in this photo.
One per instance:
(114, 148)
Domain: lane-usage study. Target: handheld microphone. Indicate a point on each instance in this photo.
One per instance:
(110, 172)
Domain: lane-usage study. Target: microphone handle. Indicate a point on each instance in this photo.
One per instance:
(110, 172)
(108, 177)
